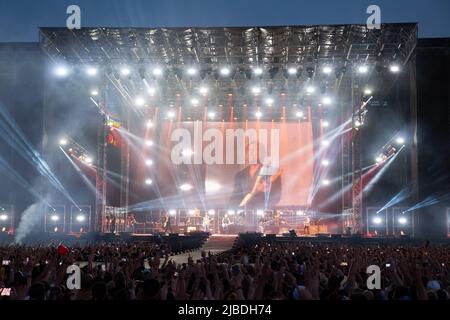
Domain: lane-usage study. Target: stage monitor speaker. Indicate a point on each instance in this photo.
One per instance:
(336, 236)
(322, 235)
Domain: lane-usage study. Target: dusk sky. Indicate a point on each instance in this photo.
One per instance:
(20, 19)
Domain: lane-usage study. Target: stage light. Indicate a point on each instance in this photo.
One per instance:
(3, 217)
(377, 220)
(402, 220)
(149, 162)
(88, 160)
(363, 69)
(300, 212)
(379, 159)
(55, 229)
(231, 212)
(187, 152)
(325, 163)
(125, 71)
(157, 71)
(81, 218)
(299, 114)
(63, 142)
(224, 71)
(326, 101)
(151, 91)
(61, 71)
(326, 182)
(91, 71)
(149, 124)
(212, 186)
(394, 68)
(149, 143)
(357, 123)
(260, 212)
(256, 90)
(400, 140)
(171, 114)
(367, 92)
(325, 124)
(310, 89)
(325, 143)
(327, 70)
(211, 212)
(172, 212)
(258, 71)
(191, 71)
(186, 187)
(269, 101)
(258, 114)
(94, 93)
(194, 101)
(211, 115)
(191, 212)
(148, 181)
(139, 101)
(54, 217)
(203, 90)
(292, 70)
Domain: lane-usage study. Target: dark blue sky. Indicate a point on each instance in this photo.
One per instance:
(19, 19)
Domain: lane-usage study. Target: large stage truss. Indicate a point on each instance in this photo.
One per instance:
(274, 48)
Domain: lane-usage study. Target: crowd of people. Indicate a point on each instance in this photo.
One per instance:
(263, 271)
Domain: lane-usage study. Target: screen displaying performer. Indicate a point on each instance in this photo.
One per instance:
(243, 165)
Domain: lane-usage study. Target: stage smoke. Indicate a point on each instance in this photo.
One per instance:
(28, 221)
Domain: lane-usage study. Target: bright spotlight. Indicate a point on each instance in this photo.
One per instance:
(325, 163)
(139, 102)
(379, 159)
(3, 217)
(310, 89)
(224, 71)
(363, 69)
(325, 124)
(326, 182)
(203, 90)
(212, 186)
(211, 212)
(63, 142)
(187, 152)
(149, 124)
(258, 71)
(94, 93)
(326, 101)
(148, 181)
(157, 71)
(211, 115)
(194, 101)
(367, 92)
(377, 220)
(149, 143)
(327, 70)
(54, 217)
(299, 114)
(256, 90)
(148, 162)
(191, 71)
(186, 187)
(269, 101)
(300, 212)
(400, 140)
(358, 123)
(292, 70)
(172, 212)
(171, 114)
(231, 212)
(125, 71)
(191, 212)
(61, 71)
(402, 220)
(394, 68)
(88, 160)
(151, 91)
(91, 71)
(258, 114)
(260, 212)
(81, 218)
(325, 143)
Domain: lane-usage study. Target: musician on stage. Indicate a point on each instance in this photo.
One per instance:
(206, 222)
(225, 223)
(306, 225)
(167, 224)
(113, 224)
